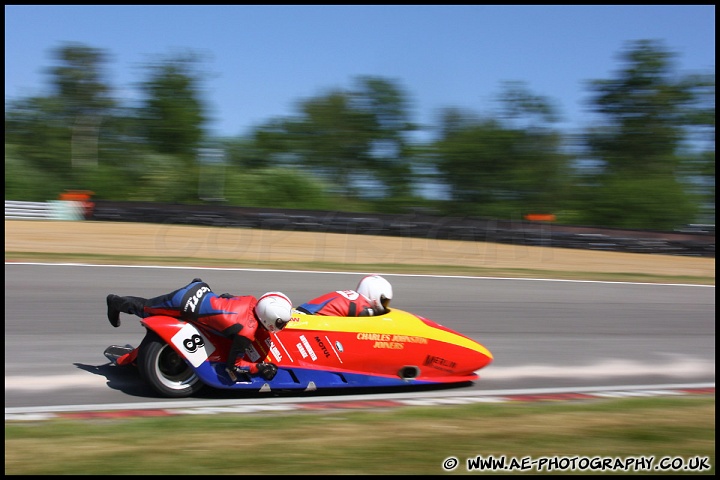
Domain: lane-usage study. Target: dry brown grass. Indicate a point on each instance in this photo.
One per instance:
(216, 246)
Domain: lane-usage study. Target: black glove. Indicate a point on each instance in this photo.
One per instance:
(267, 370)
(227, 295)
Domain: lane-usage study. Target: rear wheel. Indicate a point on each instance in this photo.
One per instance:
(164, 370)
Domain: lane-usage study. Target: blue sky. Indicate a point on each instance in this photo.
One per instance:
(262, 60)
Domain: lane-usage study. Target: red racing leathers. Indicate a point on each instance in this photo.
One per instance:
(340, 303)
(232, 316)
(226, 315)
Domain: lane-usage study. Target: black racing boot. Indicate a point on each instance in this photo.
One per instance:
(113, 313)
(117, 305)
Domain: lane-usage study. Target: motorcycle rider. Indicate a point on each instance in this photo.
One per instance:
(372, 297)
(235, 317)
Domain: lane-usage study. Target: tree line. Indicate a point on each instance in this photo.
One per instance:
(648, 162)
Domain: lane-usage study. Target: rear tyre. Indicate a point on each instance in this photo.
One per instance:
(164, 370)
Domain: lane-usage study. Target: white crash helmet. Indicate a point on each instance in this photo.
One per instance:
(273, 310)
(376, 289)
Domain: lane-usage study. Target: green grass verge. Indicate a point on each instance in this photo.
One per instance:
(384, 268)
(399, 440)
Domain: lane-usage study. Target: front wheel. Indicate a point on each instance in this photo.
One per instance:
(164, 370)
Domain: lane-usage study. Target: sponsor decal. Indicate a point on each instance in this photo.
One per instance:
(409, 339)
(322, 346)
(301, 349)
(277, 341)
(193, 301)
(439, 363)
(276, 353)
(381, 337)
(307, 346)
(339, 346)
(393, 342)
(194, 346)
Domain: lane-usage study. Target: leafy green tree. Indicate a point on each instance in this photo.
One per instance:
(629, 201)
(388, 106)
(59, 134)
(173, 114)
(170, 121)
(37, 129)
(334, 138)
(518, 103)
(265, 147)
(646, 112)
(494, 169)
(85, 98)
(26, 181)
(79, 81)
(699, 152)
(354, 139)
(278, 188)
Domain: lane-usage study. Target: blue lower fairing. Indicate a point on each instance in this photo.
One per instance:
(214, 375)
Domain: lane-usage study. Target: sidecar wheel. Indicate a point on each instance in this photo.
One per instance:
(164, 370)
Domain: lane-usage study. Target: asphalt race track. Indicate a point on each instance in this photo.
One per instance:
(544, 334)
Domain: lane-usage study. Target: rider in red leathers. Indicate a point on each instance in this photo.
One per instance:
(372, 297)
(236, 317)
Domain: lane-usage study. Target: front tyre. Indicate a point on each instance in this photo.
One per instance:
(165, 370)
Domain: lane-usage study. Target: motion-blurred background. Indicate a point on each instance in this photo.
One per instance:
(365, 127)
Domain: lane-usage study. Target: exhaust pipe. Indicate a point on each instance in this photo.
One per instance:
(409, 372)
